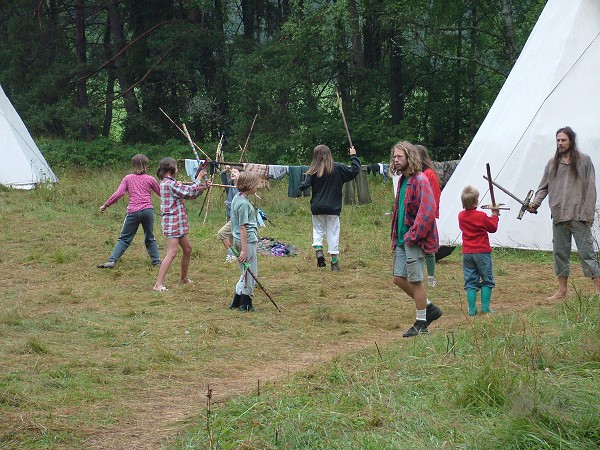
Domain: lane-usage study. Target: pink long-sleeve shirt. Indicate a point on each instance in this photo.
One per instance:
(140, 188)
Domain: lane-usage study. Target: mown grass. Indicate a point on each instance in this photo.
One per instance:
(512, 381)
(92, 358)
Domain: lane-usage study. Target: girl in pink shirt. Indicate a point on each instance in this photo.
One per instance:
(140, 211)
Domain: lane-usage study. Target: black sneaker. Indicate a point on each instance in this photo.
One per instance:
(433, 313)
(420, 327)
(320, 259)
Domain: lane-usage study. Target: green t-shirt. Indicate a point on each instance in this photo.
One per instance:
(402, 228)
(243, 213)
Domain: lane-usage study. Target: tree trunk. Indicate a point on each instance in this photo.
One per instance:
(129, 99)
(82, 100)
(397, 81)
(472, 72)
(508, 30)
(357, 56)
(372, 37)
(248, 14)
(110, 83)
(457, 96)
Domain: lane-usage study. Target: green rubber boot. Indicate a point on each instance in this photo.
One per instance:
(486, 297)
(472, 301)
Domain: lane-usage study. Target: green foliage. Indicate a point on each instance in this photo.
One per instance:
(423, 71)
(105, 153)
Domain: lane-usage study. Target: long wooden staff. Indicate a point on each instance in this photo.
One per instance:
(193, 146)
(247, 269)
(489, 177)
(248, 138)
(192, 143)
(212, 178)
(344, 118)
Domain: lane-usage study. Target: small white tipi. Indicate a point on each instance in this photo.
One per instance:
(22, 165)
(554, 83)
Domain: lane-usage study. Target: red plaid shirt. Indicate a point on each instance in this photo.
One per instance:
(174, 216)
(419, 214)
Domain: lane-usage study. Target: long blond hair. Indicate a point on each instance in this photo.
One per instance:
(412, 156)
(322, 162)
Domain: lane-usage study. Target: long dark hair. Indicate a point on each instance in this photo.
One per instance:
(574, 154)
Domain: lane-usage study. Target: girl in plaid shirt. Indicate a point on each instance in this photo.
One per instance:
(174, 217)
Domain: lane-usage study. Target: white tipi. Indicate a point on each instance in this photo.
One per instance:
(22, 165)
(554, 83)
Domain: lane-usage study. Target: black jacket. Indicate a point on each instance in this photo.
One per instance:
(327, 190)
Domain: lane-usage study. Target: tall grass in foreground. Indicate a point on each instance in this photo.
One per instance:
(508, 381)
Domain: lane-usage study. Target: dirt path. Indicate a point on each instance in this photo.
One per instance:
(161, 412)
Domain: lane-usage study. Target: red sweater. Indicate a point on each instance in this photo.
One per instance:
(435, 188)
(475, 226)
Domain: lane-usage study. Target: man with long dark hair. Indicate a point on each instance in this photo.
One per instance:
(569, 182)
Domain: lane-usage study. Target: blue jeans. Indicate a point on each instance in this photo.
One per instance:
(477, 269)
(145, 217)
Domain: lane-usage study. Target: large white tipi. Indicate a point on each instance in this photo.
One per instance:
(22, 165)
(554, 83)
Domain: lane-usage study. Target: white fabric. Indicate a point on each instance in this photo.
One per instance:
(554, 83)
(191, 167)
(327, 225)
(21, 162)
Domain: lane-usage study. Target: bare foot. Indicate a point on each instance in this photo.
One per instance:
(557, 295)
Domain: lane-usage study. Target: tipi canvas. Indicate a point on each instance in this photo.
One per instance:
(554, 83)
(21, 163)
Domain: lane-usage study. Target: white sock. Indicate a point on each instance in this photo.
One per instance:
(421, 314)
(428, 302)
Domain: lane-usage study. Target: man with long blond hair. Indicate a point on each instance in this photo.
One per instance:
(414, 232)
(326, 178)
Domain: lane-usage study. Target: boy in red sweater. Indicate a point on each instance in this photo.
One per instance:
(477, 252)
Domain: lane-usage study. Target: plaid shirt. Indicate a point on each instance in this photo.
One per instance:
(419, 214)
(174, 216)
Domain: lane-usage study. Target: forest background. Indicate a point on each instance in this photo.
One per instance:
(90, 76)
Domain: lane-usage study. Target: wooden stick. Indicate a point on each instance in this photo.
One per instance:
(263, 289)
(194, 146)
(248, 138)
(344, 118)
(186, 134)
(489, 177)
(218, 156)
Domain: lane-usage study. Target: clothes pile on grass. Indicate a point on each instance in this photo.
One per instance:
(272, 247)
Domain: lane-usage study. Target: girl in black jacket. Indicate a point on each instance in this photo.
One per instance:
(326, 178)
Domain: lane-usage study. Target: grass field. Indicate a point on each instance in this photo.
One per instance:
(93, 358)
